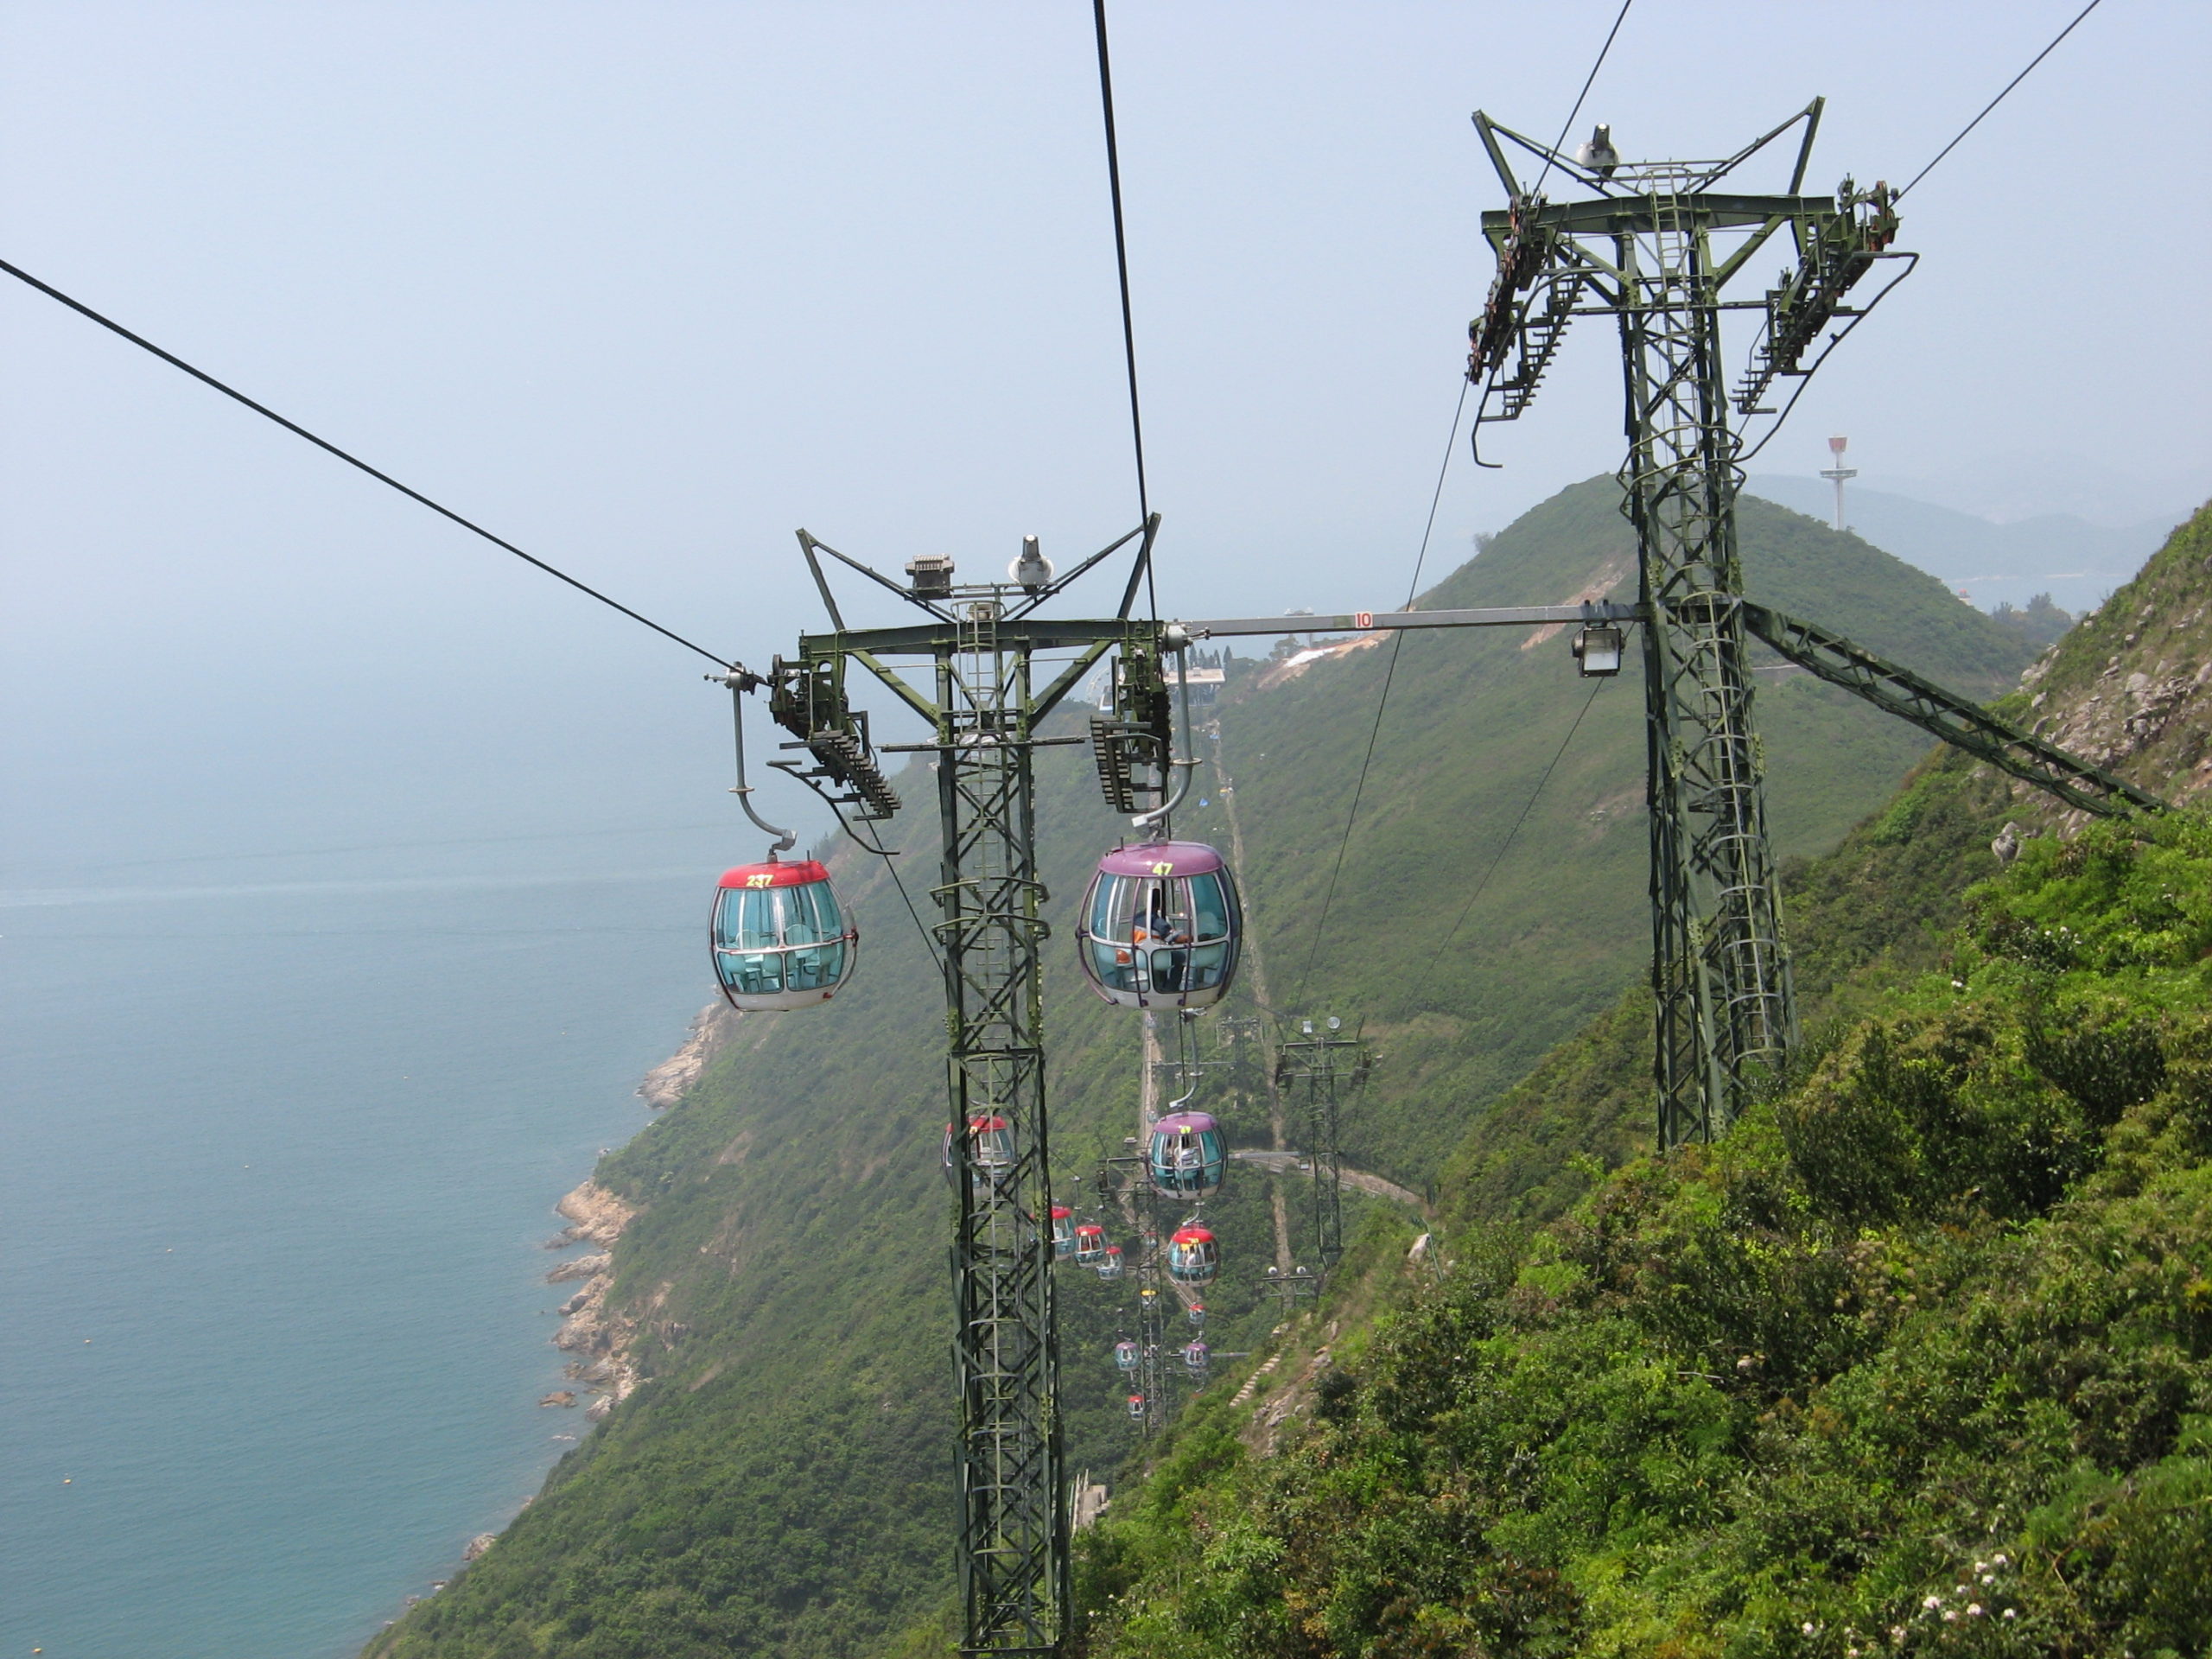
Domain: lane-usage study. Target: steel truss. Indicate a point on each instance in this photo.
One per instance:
(1958, 721)
(1648, 252)
(984, 706)
(1330, 1064)
(1963, 724)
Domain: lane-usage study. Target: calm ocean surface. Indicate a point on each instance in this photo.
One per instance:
(275, 1160)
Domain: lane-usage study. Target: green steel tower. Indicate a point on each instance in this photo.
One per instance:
(981, 645)
(1656, 246)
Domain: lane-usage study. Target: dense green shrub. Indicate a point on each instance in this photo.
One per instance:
(1917, 1360)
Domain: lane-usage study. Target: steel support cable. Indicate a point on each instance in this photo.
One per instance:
(1505, 846)
(890, 857)
(1121, 267)
(297, 430)
(1381, 703)
(2001, 96)
(1588, 81)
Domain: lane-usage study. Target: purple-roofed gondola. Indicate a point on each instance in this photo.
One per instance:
(1187, 1157)
(1161, 926)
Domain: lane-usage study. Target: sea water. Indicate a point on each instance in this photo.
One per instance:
(276, 1160)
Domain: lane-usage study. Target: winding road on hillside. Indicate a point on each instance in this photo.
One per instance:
(1294, 1163)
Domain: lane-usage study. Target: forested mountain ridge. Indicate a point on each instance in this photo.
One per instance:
(1467, 988)
(780, 1482)
(1916, 1360)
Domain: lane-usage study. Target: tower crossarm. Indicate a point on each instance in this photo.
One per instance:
(1836, 247)
(1963, 724)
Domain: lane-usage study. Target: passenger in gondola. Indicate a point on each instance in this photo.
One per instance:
(1160, 925)
(1168, 967)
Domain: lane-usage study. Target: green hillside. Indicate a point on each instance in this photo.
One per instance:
(1466, 1006)
(781, 1483)
(1918, 1360)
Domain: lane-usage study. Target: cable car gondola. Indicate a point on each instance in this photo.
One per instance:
(1063, 1232)
(1161, 926)
(1089, 1243)
(1196, 1313)
(1110, 1264)
(1197, 1358)
(1187, 1158)
(1193, 1257)
(1136, 1405)
(990, 1148)
(1127, 1355)
(779, 940)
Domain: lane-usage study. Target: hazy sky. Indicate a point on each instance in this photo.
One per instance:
(645, 287)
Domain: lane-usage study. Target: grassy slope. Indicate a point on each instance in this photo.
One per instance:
(1934, 1322)
(782, 1484)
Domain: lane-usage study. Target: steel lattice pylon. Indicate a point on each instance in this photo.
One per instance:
(1328, 1062)
(1647, 250)
(1012, 1549)
(1721, 973)
(1141, 1203)
(983, 707)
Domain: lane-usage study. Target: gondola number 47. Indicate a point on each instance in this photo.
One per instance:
(1163, 869)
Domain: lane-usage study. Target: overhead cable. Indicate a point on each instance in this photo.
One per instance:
(1390, 670)
(1567, 125)
(1381, 703)
(890, 857)
(1499, 858)
(2001, 96)
(1122, 266)
(297, 430)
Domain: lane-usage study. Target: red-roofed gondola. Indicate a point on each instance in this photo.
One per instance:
(1193, 1257)
(990, 1148)
(779, 940)
(777, 937)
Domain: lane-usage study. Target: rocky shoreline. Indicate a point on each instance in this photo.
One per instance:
(713, 1030)
(598, 1339)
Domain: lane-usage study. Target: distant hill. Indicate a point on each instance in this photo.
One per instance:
(780, 1482)
(1472, 972)
(2075, 562)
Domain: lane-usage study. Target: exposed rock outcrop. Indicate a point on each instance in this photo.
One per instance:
(671, 1080)
(600, 1337)
(596, 1215)
(581, 1266)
